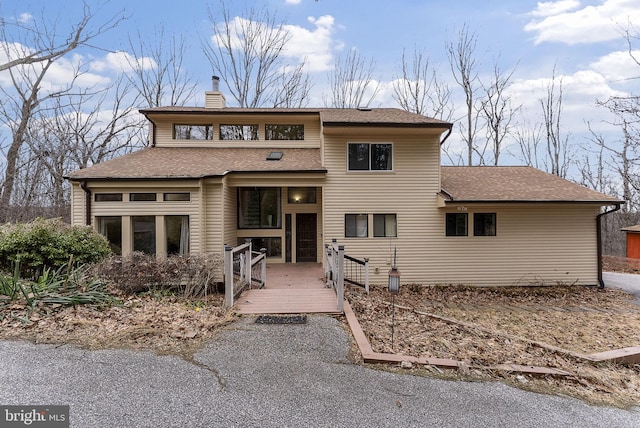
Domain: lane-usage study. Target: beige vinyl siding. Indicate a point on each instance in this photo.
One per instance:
(164, 130)
(230, 213)
(534, 245)
(213, 233)
(409, 191)
(78, 199)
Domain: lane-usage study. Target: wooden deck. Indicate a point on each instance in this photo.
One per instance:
(291, 289)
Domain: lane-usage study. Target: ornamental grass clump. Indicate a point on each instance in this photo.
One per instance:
(67, 286)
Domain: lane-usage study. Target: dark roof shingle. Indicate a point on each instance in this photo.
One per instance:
(199, 162)
(514, 184)
(328, 116)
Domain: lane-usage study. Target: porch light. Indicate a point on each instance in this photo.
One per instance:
(394, 280)
(394, 288)
(394, 276)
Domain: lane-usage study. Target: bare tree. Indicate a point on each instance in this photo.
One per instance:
(17, 111)
(593, 174)
(248, 54)
(464, 68)
(497, 111)
(351, 82)
(158, 71)
(417, 89)
(32, 50)
(529, 139)
(557, 143)
(41, 40)
(80, 130)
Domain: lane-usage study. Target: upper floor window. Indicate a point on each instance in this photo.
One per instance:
(284, 132)
(370, 157)
(192, 132)
(239, 132)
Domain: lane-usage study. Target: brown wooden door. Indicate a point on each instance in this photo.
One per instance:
(306, 238)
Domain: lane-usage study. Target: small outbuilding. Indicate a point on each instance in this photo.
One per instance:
(633, 241)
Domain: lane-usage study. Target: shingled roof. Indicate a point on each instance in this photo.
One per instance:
(514, 184)
(328, 116)
(200, 162)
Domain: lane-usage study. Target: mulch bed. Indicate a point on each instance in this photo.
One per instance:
(533, 326)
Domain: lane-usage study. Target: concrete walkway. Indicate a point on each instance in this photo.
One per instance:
(257, 375)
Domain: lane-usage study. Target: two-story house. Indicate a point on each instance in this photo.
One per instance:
(294, 179)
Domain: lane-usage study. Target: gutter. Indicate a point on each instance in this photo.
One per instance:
(599, 241)
(87, 191)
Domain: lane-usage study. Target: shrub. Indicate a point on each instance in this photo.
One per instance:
(191, 276)
(49, 244)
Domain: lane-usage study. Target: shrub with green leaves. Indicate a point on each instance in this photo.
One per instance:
(49, 244)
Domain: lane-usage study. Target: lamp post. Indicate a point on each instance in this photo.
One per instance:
(394, 288)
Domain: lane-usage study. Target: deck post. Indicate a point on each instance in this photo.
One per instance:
(366, 275)
(228, 276)
(263, 267)
(247, 261)
(340, 284)
(327, 265)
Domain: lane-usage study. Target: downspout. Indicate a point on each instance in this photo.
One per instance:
(599, 242)
(449, 131)
(87, 191)
(153, 131)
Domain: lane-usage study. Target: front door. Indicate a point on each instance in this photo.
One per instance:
(306, 238)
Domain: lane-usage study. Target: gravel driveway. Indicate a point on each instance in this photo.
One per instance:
(256, 375)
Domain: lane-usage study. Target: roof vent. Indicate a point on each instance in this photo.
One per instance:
(274, 156)
(364, 108)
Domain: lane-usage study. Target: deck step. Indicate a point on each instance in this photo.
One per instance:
(287, 301)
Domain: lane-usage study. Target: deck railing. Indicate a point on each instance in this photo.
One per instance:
(356, 271)
(334, 270)
(242, 269)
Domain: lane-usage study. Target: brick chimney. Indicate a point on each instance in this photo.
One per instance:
(215, 98)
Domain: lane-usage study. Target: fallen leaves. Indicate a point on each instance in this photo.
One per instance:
(528, 326)
(165, 324)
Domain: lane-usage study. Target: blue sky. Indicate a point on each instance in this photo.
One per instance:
(580, 38)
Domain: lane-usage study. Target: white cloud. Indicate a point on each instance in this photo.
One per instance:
(313, 46)
(121, 62)
(293, 1)
(550, 8)
(618, 66)
(559, 23)
(25, 17)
